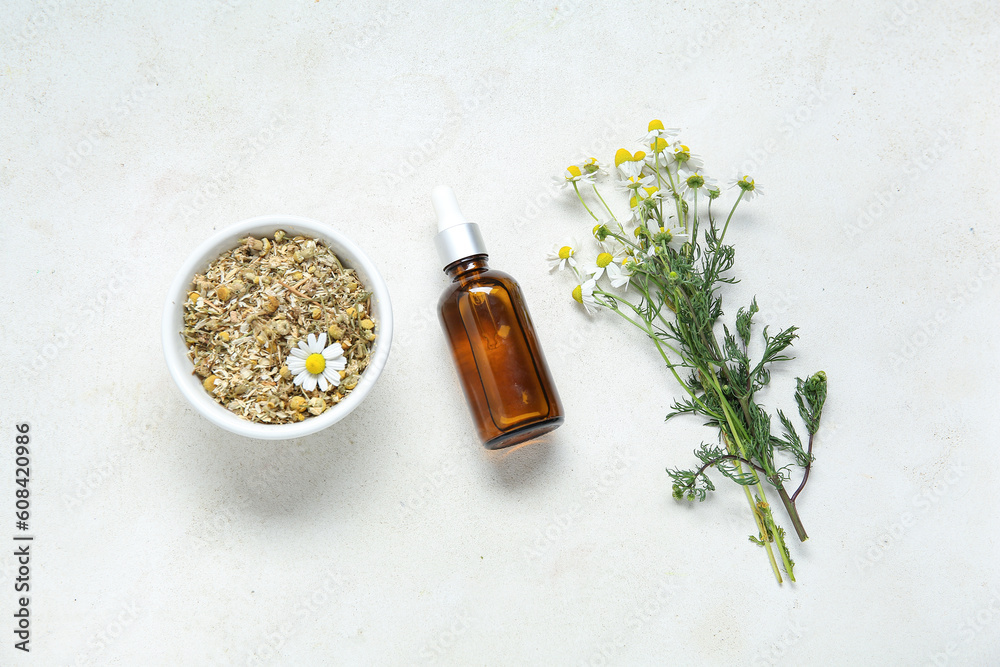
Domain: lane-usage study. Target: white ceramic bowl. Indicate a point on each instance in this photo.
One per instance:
(175, 350)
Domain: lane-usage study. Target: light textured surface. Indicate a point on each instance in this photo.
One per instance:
(131, 132)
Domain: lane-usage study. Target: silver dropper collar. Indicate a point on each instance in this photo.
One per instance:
(457, 238)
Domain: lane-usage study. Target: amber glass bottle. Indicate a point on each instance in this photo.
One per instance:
(499, 361)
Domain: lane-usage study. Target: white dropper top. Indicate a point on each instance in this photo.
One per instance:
(457, 238)
(446, 206)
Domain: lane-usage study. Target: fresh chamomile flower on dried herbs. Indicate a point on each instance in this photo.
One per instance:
(584, 293)
(313, 362)
(562, 256)
(749, 189)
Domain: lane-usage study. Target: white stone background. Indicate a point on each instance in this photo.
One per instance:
(132, 131)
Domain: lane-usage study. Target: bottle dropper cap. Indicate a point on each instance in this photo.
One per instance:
(457, 238)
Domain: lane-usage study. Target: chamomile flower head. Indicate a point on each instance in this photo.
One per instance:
(621, 274)
(575, 175)
(601, 231)
(643, 201)
(606, 258)
(629, 164)
(657, 131)
(648, 194)
(635, 183)
(684, 158)
(691, 183)
(584, 293)
(747, 185)
(562, 255)
(657, 145)
(312, 363)
(591, 166)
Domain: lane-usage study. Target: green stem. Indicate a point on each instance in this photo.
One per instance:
(733, 210)
(659, 179)
(793, 512)
(577, 189)
(694, 224)
(731, 419)
(603, 202)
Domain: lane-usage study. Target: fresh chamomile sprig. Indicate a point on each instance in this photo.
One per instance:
(665, 265)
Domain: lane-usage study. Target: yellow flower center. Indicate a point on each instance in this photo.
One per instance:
(658, 144)
(578, 293)
(650, 191)
(604, 259)
(655, 125)
(622, 156)
(565, 252)
(639, 156)
(573, 170)
(632, 202)
(315, 363)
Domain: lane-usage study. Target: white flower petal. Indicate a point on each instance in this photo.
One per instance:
(304, 347)
(323, 384)
(332, 376)
(300, 354)
(295, 365)
(300, 378)
(310, 382)
(333, 352)
(339, 364)
(322, 341)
